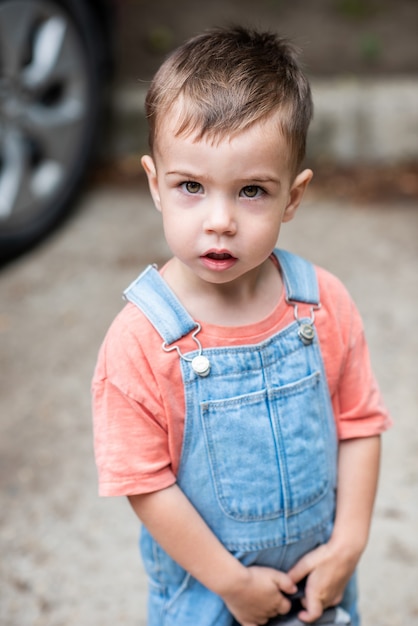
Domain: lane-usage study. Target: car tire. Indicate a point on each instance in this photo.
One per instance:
(51, 104)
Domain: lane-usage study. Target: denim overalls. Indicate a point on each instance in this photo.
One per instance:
(259, 451)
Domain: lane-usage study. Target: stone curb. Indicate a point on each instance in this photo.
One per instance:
(370, 121)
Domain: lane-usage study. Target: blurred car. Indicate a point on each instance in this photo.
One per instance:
(55, 62)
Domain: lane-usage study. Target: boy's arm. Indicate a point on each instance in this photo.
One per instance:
(251, 594)
(330, 566)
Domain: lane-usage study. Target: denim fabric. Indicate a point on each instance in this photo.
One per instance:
(154, 297)
(350, 601)
(259, 450)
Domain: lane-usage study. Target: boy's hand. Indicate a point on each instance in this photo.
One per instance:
(328, 569)
(257, 596)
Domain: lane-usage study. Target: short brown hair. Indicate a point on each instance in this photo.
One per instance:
(228, 79)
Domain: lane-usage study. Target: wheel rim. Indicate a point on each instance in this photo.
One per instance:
(44, 105)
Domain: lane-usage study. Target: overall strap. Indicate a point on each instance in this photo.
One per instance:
(160, 305)
(299, 278)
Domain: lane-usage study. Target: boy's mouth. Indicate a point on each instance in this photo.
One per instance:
(218, 260)
(218, 256)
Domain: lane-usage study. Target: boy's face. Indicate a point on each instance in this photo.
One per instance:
(223, 203)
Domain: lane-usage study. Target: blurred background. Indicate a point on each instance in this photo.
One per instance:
(77, 225)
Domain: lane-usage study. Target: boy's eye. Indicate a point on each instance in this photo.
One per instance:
(251, 191)
(192, 187)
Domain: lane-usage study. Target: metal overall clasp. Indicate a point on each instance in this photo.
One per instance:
(200, 363)
(306, 332)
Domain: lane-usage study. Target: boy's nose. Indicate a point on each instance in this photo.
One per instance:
(221, 219)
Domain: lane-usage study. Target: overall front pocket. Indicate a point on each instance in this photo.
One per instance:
(268, 450)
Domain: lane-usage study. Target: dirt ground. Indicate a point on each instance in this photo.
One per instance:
(70, 558)
(345, 37)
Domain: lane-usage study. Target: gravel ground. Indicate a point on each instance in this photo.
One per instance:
(70, 558)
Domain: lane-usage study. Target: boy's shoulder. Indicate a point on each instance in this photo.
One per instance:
(124, 354)
(338, 309)
(329, 281)
(300, 268)
(130, 323)
(129, 338)
(330, 286)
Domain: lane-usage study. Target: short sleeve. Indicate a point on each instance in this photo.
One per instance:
(358, 406)
(130, 431)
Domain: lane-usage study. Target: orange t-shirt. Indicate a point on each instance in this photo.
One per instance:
(138, 398)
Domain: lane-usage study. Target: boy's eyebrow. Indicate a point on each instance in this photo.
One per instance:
(264, 179)
(254, 179)
(183, 174)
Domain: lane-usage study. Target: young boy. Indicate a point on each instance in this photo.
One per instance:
(234, 402)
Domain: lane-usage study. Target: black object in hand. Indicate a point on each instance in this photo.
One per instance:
(331, 616)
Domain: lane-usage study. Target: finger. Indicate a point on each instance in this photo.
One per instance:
(309, 617)
(301, 569)
(284, 582)
(284, 607)
(313, 609)
(299, 572)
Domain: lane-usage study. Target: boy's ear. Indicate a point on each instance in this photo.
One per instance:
(148, 164)
(296, 193)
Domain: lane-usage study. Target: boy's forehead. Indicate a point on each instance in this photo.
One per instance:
(180, 120)
(260, 148)
(171, 118)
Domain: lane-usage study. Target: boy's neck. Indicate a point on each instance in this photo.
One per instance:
(247, 300)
